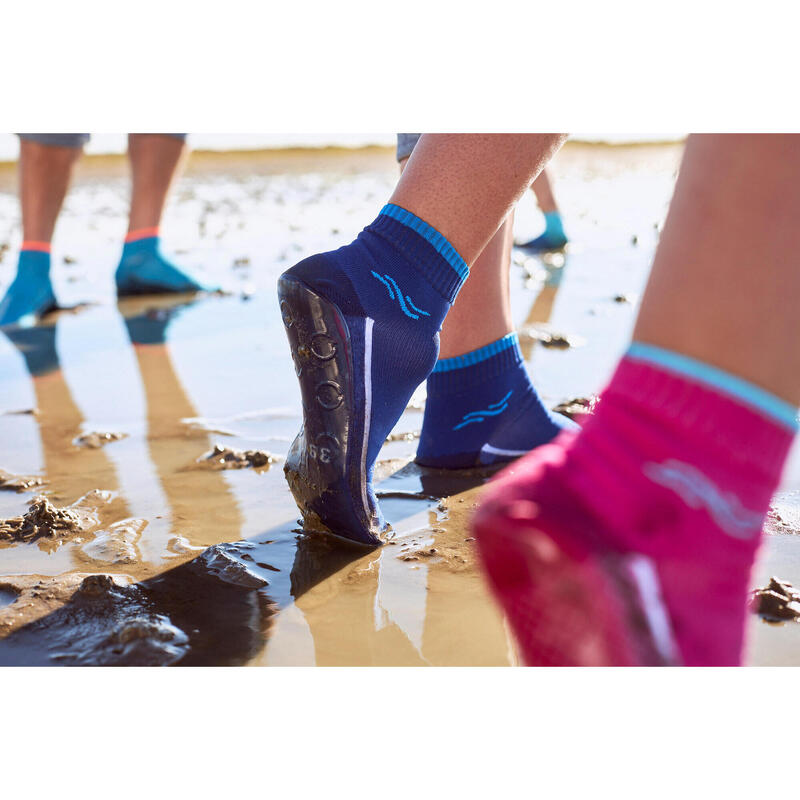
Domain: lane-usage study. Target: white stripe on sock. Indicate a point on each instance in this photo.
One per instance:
(646, 577)
(497, 451)
(368, 323)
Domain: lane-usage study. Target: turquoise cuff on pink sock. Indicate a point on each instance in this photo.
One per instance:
(737, 388)
(715, 423)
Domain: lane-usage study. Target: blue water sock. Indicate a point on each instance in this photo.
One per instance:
(482, 409)
(553, 237)
(143, 269)
(30, 294)
(363, 324)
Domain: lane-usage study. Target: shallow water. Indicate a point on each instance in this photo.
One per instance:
(210, 567)
(7, 597)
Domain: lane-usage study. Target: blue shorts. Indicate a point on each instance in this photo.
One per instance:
(405, 144)
(75, 140)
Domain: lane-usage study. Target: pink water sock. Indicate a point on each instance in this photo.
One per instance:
(632, 540)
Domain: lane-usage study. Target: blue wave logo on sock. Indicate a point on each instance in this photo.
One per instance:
(479, 416)
(396, 294)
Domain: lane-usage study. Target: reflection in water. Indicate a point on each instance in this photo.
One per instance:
(189, 614)
(200, 501)
(554, 266)
(74, 471)
(417, 601)
(193, 501)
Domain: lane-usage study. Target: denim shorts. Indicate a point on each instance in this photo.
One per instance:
(405, 144)
(71, 139)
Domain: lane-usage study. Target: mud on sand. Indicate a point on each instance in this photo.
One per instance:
(44, 520)
(227, 458)
(19, 483)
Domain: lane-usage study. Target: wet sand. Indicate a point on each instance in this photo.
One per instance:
(206, 560)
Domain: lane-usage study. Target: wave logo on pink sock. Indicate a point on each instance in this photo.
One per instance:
(697, 490)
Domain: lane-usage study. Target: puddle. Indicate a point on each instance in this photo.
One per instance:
(7, 596)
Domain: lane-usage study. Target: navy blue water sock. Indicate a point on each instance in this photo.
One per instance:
(482, 409)
(553, 237)
(143, 269)
(30, 295)
(363, 325)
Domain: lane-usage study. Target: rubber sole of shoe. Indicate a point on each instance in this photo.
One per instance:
(325, 464)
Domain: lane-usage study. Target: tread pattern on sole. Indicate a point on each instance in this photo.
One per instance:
(327, 493)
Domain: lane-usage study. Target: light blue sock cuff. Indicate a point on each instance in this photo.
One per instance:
(508, 342)
(741, 390)
(431, 235)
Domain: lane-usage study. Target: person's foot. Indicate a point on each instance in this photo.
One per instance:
(482, 409)
(545, 243)
(569, 591)
(553, 237)
(143, 269)
(30, 295)
(363, 325)
(631, 541)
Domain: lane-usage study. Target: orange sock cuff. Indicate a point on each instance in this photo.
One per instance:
(141, 233)
(39, 247)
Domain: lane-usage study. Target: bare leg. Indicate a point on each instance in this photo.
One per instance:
(465, 185)
(724, 290)
(467, 327)
(44, 175)
(155, 159)
(544, 193)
